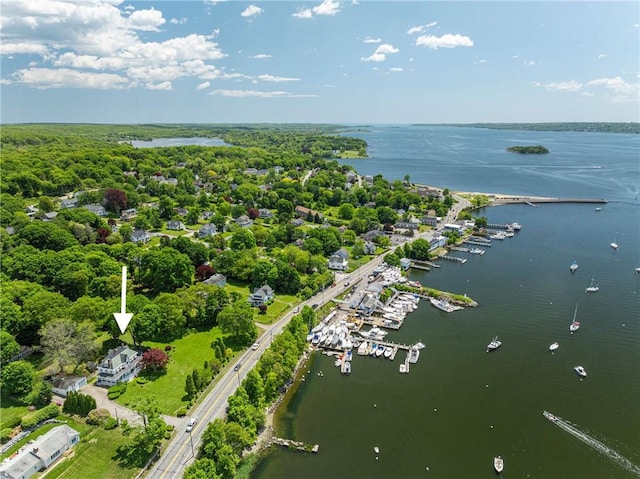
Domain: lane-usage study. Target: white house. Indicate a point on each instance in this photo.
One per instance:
(175, 225)
(454, 227)
(128, 214)
(63, 386)
(119, 366)
(244, 221)
(140, 236)
(405, 263)
(437, 242)
(216, 280)
(261, 296)
(41, 453)
(207, 230)
(96, 209)
(338, 262)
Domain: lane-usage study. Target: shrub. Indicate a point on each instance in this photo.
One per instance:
(141, 380)
(110, 423)
(5, 435)
(47, 412)
(98, 416)
(167, 435)
(182, 412)
(77, 403)
(117, 390)
(170, 427)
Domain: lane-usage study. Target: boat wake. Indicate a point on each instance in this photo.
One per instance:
(597, 445)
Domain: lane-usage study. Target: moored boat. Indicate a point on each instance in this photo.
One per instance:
(593, 287)
(573, 267)
(403, 368)
(494, 344)
(414, 354)
(554, 346)
(444, 305)
(575, 325)
(380, 350)
(498, 464)
(388, 352)
(581, 372)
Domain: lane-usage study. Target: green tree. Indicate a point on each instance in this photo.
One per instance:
(10, 346)
(241, 239)
(201, 469)
(165, 270)
(66, 343)
(236, 320)
(18, 378)
(346, 211)
(189, 387)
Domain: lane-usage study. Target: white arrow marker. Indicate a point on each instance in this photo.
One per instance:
(123, 318)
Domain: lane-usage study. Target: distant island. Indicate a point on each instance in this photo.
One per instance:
(593, 127)
(529, 150)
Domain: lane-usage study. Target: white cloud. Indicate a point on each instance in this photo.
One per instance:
(445, 41)
(327, 7)
(328, 85)
(42, 78)
(372, 40)
(381, 53)
(178, 21)
(276, 79)
(251, 11)
(166, 85)
(586, 93)
(146, 20)
(620, 90)
(26, 47)
(304, 13)
(203, 85)
(529, 63)
(635, 25)
(421, 28)
(261, 56)
(571, 85)
(257, 93)
(601, 56)
(396, 69)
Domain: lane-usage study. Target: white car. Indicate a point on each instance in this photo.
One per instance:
(255, 346)
(191, 424)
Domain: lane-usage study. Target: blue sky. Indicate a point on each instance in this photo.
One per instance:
(365, 61)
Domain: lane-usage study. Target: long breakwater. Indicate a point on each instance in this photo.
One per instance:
(590, 441)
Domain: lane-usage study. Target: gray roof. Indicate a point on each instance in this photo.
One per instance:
(118, 356)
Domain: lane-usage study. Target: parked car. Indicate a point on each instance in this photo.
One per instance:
(190, 425)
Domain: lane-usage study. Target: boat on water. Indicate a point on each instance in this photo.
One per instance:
(575, 325)
(376, 449)
(403, 368)
(614, 243)
(498, 236)
(419, 345)
(380, 350)
(573, 267)
(444, 305)
(388, 352)
(593, 287)
(494, 344)
(498, 464)
(479, 251)
(414, 354)
(550, 416)
(598, 209)
(638, 269)
(362, 349)
(581, 372)
(554, 346)
(516, 226)
(346, 368)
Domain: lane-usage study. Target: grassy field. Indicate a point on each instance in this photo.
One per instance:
(10, 411)
(95, 456)
(280, 304)
(188, 353)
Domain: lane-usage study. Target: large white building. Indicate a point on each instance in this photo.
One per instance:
(119, 366)
(41, 453)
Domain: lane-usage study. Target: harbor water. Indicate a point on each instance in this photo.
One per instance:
(460, 406)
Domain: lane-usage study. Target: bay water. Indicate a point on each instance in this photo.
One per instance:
(460, 406)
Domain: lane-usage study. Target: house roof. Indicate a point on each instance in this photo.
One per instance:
(117, 356)
(54, 440)
(215, 279)
(66, 383)
(343, 253)
(263, 291)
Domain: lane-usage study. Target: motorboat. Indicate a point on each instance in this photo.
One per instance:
(376, 449)
(346, 368)
(362, 349)
(388, 352)
(593, 287)
(581, 372)
(573, 267)
(380, 350)
(498, 236)
(516, 226)
(638, 269)
(498, 464)
(403, 368)
(414, 354)
(614, 243)
(479, 251)
(598, 209)
(575, 325)
(494, 344)
(550, 416)
(419, 345)
(554, 346)
(444, 305)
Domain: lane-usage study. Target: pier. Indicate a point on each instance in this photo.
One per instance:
(419, 264)
(454, 258)
(478, 243)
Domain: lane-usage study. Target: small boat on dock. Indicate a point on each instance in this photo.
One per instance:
(403, 368)
(573, 267)
(581, 372)
(494, 344)
(498, 464)
(444, 305)
(346, 368)
(380, 351)
(388, 351)
(553, 347)
(479, 251)
(414, 354)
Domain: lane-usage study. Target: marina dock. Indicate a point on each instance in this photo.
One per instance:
(454, 258)
(295, 445)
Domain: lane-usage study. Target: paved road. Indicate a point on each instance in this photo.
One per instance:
(183, 447)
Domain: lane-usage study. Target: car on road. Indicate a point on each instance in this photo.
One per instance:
(255, 346)
(314, 306)
(237, 367)
(191, 424)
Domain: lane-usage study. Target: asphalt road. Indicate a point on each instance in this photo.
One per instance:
(182, 449)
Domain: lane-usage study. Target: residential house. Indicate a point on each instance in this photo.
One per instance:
(429, 220)
(50, 216)
(128, 214)
(207, 230)
(140, 236)
(244, 221)
(371, 235)
(369, 247)
(175, 225)
(68, 204)
(343, 253)
(297, 222)
(119, 366)
(407, 225)
(181, 211)
(454, 227)
(216, 280)
(261, 296)
(338, 262)
(437, 242)
(264, 213)
(63, 386)
(368, 179)
(365, 302)
(97, 209)
(41, 453)
(306, 213)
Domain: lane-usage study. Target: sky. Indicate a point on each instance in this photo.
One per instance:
(345, 62)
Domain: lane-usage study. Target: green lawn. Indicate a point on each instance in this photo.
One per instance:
(95, 456)
(189, 352)
(10, 411)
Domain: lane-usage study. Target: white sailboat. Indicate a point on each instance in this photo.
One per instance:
(575, 325)
(574, 266)
(614, 243)
(593, 287)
